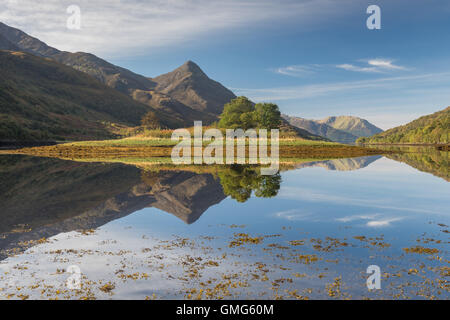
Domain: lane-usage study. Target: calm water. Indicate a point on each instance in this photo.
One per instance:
(309, 233)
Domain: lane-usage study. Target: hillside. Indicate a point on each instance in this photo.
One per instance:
(181, 96)
(353, 125)
(41, 100)
(5, 44)
(433, 128)
(321, 129)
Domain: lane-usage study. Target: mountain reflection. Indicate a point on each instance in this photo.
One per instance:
(43, 197)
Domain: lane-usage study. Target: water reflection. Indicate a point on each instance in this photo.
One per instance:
(43, 197)
(48, 198)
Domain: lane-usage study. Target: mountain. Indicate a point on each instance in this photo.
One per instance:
(181, 96)
(107, 73)
(191, 86)
(433, 128)
(321, 129)
(41, 99)
(353, 125)
(5, 44)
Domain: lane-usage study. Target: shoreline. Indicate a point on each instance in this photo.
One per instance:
(134, 153)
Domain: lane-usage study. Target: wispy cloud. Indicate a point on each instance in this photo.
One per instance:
(120, 27)
(311, 195)
(373, 66)
(317, 90)
(297, 70)
(357, 217)
(375, 220)
(293, 215)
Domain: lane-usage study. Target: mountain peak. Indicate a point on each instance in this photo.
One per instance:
(191, 67)
(192, 87)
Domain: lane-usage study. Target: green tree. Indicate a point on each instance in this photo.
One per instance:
(242, 113)
(238, 113)
(267, 115)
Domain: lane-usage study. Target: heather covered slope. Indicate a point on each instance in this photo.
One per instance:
(41, 99)
(429, 129)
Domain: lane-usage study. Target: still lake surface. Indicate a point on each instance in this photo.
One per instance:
(310, 233)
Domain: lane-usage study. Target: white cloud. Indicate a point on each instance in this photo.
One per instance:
(357, 217)
(384, 64)
(373, 66)
(116, 27)
(297, 70)
(382, 223)
(374, 222)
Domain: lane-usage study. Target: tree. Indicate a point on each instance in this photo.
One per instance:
(267, 115)
(238, 113)
(242, 113)
(150, 120)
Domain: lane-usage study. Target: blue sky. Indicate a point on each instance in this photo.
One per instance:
(314, 58)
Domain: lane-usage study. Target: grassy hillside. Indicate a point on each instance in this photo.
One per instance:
(433, 128)
(44, 100)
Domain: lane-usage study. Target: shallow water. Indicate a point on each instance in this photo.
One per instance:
(135, 234)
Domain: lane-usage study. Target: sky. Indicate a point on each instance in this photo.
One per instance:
(314, 58)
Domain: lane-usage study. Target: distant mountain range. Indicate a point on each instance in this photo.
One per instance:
(433, 128)
(344, 129)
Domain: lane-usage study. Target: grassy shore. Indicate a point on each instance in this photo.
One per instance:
(151, 150)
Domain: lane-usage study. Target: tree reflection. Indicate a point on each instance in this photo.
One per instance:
(240, 181)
